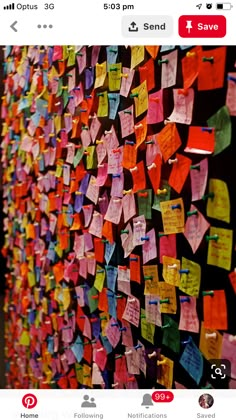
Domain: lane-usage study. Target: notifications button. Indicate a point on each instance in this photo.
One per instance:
(202, 26)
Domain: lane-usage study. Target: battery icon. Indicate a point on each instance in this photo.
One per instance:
(224, 6)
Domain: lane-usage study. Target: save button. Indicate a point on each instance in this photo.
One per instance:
(202, 26)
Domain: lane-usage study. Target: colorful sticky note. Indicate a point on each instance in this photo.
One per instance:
(191, 279)
(218, 207)
(213, 317)
(192, 361)
(172, 213)
(188, 314)
(220, 247)
(195, 228)
(210, 343)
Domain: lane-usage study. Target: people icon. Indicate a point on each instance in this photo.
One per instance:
(206, 401)
(88, 403)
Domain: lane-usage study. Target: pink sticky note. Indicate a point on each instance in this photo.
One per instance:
(188, 314)
(110, 139)
(115, 159)
(79, 245)
(183, 106)
(101, 174)
(139, 229)
(155, 107)
(85, 138)
(199, 179)
(127, 121)
(127, 241)
(127, 337)
(126, 81)
(117, 186)
(153, 149)
(132, 311)
(123, 280)
(231, 94)
(114, 210)
(149, 247)
(81, 59)
(167, 246)
(229, 352)
(113, 333)
(169, 69)
(195, 228)
(94, 129)
(93, 190)
(87, 211)
(96, 225)
(101, 151)
(153, 312)
(129, 207)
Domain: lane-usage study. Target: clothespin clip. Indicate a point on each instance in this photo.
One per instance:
(128, 353)
(197, 167)
(209, 195)
(176, 206)
(134, 95)
(128, 112)
(150, 142)
(184, 271)
(128, 142)
(183, 92)
(185, 299)
(144, 194)
(151, 355)
(153, 165)
(134, 169)
(164, 61)
(171, 161)
(144, 238)
(162, 192)
(191, 213)
(208, 293)
(208, 59)
(190, 54)
(207, 129)
(231, 78)
(127, 192)
(172, 266)
(212, 238)
(211, 335)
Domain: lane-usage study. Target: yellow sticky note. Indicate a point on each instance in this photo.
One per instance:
(190, 282)
(101, 72)
(45, 305)
(114, 76)
(218, 207)
(24, 339)
(170, 272)
(140, 98)
(104, 316)
(103, 105)
(165, 372)
(210, 343)
(31, 278)
(167, 291)
(220, 251)
(66, 298)
(147, 329)
(79, 373)
(100, 277)
(172, 212)
(91, 161)
(151, 284)
(137, 55)
(87, 377)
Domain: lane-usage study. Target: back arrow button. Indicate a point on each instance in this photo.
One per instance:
(12, 26)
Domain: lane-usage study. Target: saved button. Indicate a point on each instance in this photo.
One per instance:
(192, 26)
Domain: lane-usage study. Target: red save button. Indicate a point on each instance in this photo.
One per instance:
(204, 26)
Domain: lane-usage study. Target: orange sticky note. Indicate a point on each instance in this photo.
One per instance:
(215, 311)
(212, 69)
(154, 172)
(140, 131)
(138, 175)
(129, 155)
(179, 173)
(190, 66)
(99, 250)
(152, 50)
(146, 72)
(107, 231)
(103, 300)
(169, 141)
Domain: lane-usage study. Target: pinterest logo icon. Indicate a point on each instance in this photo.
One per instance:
(29, 401)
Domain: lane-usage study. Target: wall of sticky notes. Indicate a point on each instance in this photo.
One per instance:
(119, 215)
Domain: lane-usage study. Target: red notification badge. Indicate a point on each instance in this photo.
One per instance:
(162, 396)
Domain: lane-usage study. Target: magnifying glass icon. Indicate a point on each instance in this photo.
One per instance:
(218, 371)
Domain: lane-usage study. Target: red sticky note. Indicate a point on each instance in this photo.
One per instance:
(134, 266)
(167, 246)
(179, 172)
(212, 69)
(154, 172)
(138, 175)
(200, 140)
(232, 277)
(146, 72)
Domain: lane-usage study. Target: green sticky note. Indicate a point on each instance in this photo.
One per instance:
(158, 198)
(58, 172)
(103, 105)
(171, 335)
(147, 329)
(145, 203)
(71, 57)
(79, 372)
(221, 122)
(93, 303)
(65, 97)
(59, 88)
(100, 277)
(78, 156)
(91, 161)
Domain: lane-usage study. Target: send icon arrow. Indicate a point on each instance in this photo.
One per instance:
(133, 27)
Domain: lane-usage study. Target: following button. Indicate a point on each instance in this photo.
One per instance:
(202, 26)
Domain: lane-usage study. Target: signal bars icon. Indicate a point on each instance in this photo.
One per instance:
(10, 6)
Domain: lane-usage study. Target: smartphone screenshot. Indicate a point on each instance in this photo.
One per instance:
(118, 210)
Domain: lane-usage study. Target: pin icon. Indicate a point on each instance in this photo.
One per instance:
(29, 401)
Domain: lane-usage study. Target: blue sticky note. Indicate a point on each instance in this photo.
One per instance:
(89, 77)
(78, 349)
(109, 250)
(192, 361)
(84, 183)
(165, 48)
(106, 344)
(50, 341)
(51, 252)
(114, 102)
(96, 328)
(79, 201)
(111, 276)
(112, 53)
(112, 305)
